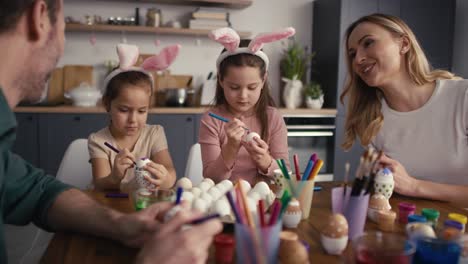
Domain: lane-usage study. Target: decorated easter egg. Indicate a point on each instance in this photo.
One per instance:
(337, 226)
(384, 182)
(291, 250)
(250, 136)
(185, 183)
(292, 215)
(418, 230)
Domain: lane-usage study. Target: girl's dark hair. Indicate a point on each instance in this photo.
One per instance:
(265, 100)
(11, 11)
(121, 80)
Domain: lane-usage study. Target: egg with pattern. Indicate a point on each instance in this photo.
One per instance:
(334, 236)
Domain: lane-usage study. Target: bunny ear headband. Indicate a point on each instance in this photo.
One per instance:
(128, 56)
(230, 40)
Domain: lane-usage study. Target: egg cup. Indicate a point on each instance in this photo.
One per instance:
(334, 246)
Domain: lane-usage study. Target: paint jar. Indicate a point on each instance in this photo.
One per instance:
(462, 219)
(432, 216)
(405, 209)
(414, 218)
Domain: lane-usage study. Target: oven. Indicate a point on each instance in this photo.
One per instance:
(312, 133)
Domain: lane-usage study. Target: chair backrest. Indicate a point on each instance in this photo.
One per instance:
(75, 168)
(194, 167)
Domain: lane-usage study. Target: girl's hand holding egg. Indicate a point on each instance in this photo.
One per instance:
(158, 172)
(258, 150)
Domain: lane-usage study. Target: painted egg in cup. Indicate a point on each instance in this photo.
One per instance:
(292, 215)
(334, 236)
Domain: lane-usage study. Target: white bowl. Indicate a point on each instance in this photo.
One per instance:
(84, 95)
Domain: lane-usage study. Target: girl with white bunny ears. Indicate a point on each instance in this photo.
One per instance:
(127, 97)
(243, 97)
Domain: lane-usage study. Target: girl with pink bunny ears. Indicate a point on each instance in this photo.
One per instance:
(243, 97)
(127, 97)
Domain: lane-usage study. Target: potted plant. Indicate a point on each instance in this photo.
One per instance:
(314, 95)
(293, 66)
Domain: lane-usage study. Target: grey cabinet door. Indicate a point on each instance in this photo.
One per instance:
(180, 134)
(432, 21)
(57, 131)
(27, 137)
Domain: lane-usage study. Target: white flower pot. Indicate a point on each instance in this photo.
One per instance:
(314, 103)
(292, 94)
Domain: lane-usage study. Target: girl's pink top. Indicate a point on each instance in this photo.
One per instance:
(212, 136)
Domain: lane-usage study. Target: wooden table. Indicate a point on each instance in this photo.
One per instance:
(69, 248)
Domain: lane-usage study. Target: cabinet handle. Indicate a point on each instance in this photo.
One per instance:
(189, 119)
(76, 118)
(30, 118)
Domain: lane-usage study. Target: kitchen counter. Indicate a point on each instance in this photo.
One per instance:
(161, 110)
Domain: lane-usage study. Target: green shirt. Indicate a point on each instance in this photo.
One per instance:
(26, 192)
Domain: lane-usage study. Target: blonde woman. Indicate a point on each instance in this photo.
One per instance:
(398, 104)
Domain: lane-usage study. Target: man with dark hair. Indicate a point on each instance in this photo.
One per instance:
(32, 41)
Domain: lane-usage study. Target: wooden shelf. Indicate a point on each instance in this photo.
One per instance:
(235, 4)
(144, 29)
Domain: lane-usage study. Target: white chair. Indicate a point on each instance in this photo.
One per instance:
(194, 167)
(75, 170)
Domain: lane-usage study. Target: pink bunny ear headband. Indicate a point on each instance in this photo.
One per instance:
(128, 56)
(230, 40)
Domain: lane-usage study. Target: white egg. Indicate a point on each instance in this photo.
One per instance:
(269, 199)
(210, 181)
(254, 195)
(200, 205)
(215, 193)
(262, 188)
(221, 207)
(227, 183)
(196, 191)
(204, 186)
(252, 204)
(222, 189)
(185, 183)
(187, 196)
(245, 185)
(250, 136)
(207, 197)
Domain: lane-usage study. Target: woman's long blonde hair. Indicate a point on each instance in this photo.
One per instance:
(364, 117)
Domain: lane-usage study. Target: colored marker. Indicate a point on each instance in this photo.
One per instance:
(221, 118)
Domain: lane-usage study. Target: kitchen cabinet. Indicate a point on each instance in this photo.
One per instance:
(180, 134)
(27, 137)
(57, 131)
(432, 21)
